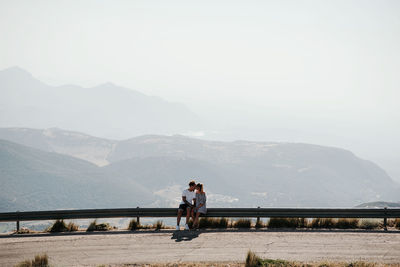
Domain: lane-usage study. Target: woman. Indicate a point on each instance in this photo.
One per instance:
(200, 204)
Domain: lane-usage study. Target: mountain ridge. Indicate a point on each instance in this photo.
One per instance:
(237, 173)
(37, 180)
(106, 109)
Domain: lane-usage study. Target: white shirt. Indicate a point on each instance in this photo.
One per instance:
(189, 196)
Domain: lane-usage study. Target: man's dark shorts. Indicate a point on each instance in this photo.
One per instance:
(183, 207)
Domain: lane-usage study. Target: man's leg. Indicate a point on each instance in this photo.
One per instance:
(178, 219)
(188, 213)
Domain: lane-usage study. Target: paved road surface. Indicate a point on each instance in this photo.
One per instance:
(93, 249)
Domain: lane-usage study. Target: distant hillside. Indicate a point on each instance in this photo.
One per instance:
(107, 109)
(36, 180)
(237, 173)
(75, 144)
(265, 174)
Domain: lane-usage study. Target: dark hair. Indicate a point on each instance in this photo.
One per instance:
(192, 183)
(199, 185)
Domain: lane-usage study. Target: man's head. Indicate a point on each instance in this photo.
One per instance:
(192, 185)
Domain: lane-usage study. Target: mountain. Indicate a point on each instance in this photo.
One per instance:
(75, 144)
(32, 179)
(107, 109)
(239, 173)
(258, 173)
(379, 204)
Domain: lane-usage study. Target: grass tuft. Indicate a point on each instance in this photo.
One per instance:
(323, 223)
(397, 223)
(360, 264)
(242, 223)
(286, 222)
(213, 223)
(369, 224)
(93, 226)
(252, 260)
(259, 224)
(134, 225)
(276, 263)
(60, 226)
(72, 227)
(347, 223)
(38, 261)
(159, 225)
(24, 230)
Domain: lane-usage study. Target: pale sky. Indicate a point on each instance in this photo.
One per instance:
(327, 71)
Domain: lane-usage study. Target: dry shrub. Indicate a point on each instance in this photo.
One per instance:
(397, 223)
(252, 260)
(190, 223)
(58, 226)
(285, 222)
(369, 224)
(159, 225)
(391, 222)
(72, 227)
(206, 222)
(360, 264)
(242, 223)
(24, 230)
(259, 224)
(93, 226)
(134, 225)
(323, 223)
(302, 222)
(38, 261)
(278, 263)
(343, 223)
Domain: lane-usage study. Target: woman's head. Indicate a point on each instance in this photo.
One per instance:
(200, 187)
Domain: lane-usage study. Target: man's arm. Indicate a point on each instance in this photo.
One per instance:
(186, 202)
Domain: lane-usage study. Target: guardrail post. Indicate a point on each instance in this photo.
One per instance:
(385, 220)
(258, 218)
(17, 220)
(138, 218)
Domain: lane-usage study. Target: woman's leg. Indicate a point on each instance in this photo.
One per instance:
(196, 221)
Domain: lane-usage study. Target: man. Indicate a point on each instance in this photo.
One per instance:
(188, 199)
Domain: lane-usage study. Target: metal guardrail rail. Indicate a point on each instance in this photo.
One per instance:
(211, 212)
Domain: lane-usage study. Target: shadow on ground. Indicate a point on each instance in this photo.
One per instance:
(184, 235)
(189, 235)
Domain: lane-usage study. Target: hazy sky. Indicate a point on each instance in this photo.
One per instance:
(326, 71)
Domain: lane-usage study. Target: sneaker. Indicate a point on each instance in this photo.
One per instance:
(177, 228)
(186, 227)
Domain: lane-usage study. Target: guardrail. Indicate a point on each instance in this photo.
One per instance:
(211, 212)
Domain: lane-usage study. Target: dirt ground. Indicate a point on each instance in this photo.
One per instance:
(167, 246)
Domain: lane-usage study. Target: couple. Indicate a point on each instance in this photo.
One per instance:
(194, 203)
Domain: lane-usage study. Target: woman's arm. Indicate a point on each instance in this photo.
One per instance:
(202, 202)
